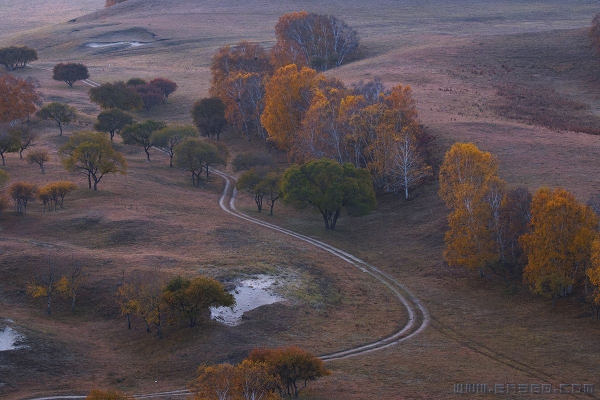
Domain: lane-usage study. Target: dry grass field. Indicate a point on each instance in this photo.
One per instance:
(517, 78)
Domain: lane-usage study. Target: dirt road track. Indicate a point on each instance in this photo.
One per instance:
(418, 318)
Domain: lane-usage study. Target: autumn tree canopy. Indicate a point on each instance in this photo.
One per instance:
(18, 98)
(313, 40)
(294, 367)
(238, 76)
(471, 189)
(92, 154)
(22, 193)
(329, 187)
(70, 73)
(288, 97)
(38, 156)
(187, 299)
(558, 246)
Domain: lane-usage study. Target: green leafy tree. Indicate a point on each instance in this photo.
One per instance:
(26, 138)
(167, 138)
(112, 121)
(262, 184)
(116, 95)
(195, 155)
(92, 154)
(209, 116)
(9, 143)
(70, 73)
(188, 299)
(16, 57)
(58, 112)
(140, 134)
(329, 187)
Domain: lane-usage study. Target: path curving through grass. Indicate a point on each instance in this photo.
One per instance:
(418, 317)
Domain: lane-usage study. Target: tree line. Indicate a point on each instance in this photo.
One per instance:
(549, 240)
(149, 298)
(266, 374)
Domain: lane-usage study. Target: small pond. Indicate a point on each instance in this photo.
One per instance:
(129, 44)
(249, 294)
(9, 339)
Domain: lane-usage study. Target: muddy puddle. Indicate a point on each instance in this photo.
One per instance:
(10, 339)
(249, 294)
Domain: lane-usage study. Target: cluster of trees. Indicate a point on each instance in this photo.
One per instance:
(324, 185)
(147, 297)
(135, 94)
(265, 374)
(310, 116)
(240, 73)
(51, 194)
(312, 40)
(196, 155)
(15, 139)
(16, 57)
(51, 281)
(549, 240)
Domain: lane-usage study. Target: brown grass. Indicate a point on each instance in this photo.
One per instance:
(456, 56)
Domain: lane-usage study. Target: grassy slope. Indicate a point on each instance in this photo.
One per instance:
(454, 56)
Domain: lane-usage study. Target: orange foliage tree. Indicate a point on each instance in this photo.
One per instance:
(558, 246)
(593, 274)
(292, 366)
(18, 99)
(248, 380)
(238, 76)
(471, 189)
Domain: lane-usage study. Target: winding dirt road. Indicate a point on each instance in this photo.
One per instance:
(418, 317)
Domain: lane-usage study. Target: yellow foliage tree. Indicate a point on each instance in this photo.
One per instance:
(558, 246)
(288, 97)
(593, 274)
(468, 185)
